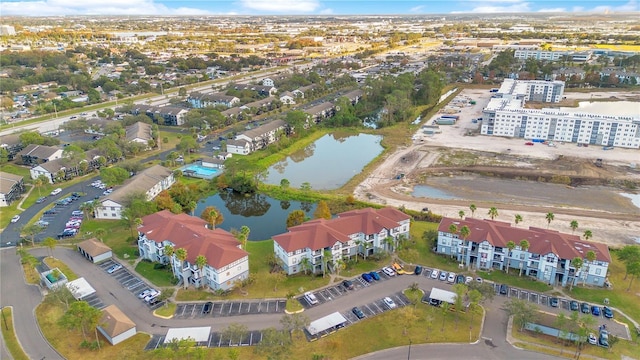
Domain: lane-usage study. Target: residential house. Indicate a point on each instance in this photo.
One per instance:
(233, 113)
(547, 259)
(363, 231)
(226, 261)
(11, 187)
(162, 115)
(267, 82)
(140, 133)
(200, 100)
(260, 89)
(354, 96)
(257, 138)
(71, 93)
(288, 98)
(38, 154)
(115, 325)
(94, 250)
(150, 181)
(304, 91)
(12, 144)
(50, 169)
(258, 106)
(321, 111)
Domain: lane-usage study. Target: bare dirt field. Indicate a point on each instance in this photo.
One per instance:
(517, 179)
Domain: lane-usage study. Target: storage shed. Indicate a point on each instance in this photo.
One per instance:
(115, 325)
(94, 250)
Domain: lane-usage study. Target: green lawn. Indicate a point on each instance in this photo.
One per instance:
(55, 263)
(9, 335)
(167, 310)
(512, 279)
(116, 236)
(159, 277)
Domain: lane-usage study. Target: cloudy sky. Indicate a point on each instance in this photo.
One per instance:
(304, 7)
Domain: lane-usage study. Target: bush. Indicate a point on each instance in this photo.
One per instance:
(159, 266)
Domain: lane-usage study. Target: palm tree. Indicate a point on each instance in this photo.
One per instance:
(445, 311)
(591, 257)
(168, 252)
(89, 208)
(493, 213)
(461, 214)
(549, 218)
(473, 209)
(465, 232)
(305, 265)
(181, 254)
(50, 243)
(39, 182)
(510, 245)
(577, 263)
(245, 231)
(99, 233)
(524, 245)
(389, 242)
(573, 225)
(518, 219)
(358, 243)
(587, 234)
(453, 229)
(213, 215)
(339, 265)
(201, 262)
(326, 257)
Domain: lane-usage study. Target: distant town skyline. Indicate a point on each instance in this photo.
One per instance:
(306, 7)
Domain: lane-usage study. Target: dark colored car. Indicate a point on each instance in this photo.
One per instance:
(574, 306)
(434, 302)
(504, 289)
(375, 275)
(460, 279)
(418, 270)
(154, 301)
(347, 285)
(595, 310)
(207, 307)
(367, 277)
(584, 307)
(357, 312)
(41, 200)
(553, 302)
(608, 313)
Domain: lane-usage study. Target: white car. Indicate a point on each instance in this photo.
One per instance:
(388, 302)
(592, 339)
(451, 278)
(56, 192)
(114, 268)
(435, 273)
(389, 271)
(15, 219)
(311, 299)
(144, 294)
(468, 280)
(152, 295)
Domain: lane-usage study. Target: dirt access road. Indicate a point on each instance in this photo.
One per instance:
(612, 218)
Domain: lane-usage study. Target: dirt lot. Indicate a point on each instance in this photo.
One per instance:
(466, 168)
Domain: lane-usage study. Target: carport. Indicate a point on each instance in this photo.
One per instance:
(94, 250)
(198, 334)
(443, 295)
(80, 288)
(329, 322)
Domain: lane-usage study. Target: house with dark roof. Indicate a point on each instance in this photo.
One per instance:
(256, 138)
(201, 100)
(548, 257)
(352, 233)
(139, 132)
(37, 154)
(50, 170)
(12, 144)
(11, 186)
(115, 325)
(150, 182)
(260, 89)
(321, 111)
(226, 261)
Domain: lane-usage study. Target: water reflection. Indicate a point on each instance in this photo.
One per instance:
(245, 205)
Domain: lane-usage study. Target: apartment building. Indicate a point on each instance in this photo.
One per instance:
(226, 261)
(547, 259)
(363, 232)
(505, 115)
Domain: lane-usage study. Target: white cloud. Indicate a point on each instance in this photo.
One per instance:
(327, 11)
(514, 8)
(93, 7)
(281, 6)
(417, 8)
(632, 5)
(553, 10)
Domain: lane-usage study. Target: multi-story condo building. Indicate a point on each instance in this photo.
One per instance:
(505, 115)
(363, 231)
(539, 55)
(226, 261)
(548, 257)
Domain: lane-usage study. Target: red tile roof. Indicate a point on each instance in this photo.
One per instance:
(321, 233)
(220, 247)
(541, 241)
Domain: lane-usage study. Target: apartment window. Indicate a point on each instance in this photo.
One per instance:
(598, 271)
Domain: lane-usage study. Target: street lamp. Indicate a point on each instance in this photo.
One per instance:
(409, 354)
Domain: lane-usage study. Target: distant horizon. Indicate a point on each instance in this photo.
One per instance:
(52, 8)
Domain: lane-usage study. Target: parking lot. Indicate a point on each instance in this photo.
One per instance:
(230, 308)
(129, 281)
(215, 340)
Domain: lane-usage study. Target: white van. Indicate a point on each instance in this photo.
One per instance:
(56, 192)
(311, 299)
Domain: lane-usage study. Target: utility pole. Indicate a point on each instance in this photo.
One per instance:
(409, 354)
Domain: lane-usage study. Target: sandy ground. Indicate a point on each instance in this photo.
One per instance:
(612, 220)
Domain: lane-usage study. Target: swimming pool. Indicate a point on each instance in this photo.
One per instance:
(200, 171)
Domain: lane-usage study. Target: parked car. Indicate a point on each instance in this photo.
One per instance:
(603, 339)
(417, 270)
(144, 293)
(154, 294)
(311, 299)
(584, 308)
(15, 219)
(435, 273)
(41, 200)
(114, 268)
(573, 305)
(389, 271)
(347, 285)
(608, 313)
(592, 339)
(357, 312)
(468, 280)
(553, 302)
(56, 192)
(504, 289)
(375, 275)
(459, 279)
(451, 278)
(207, 307)
(434, 302)
(388, 302)
(529, 143)
(154, 300)
(479, 280)
(595, 310)
(367, 277)
(77, 213)
(443, 276)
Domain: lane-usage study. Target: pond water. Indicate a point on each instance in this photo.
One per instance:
(264, 215)
(430, 192)
(328, 163)
(607, 107)
(635, 198)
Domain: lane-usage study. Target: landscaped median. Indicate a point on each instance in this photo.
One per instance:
(9, 335)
